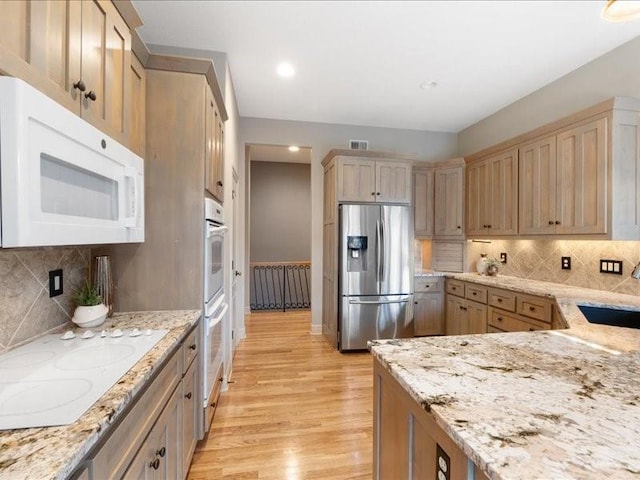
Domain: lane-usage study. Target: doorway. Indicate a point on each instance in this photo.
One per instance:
(279, 228)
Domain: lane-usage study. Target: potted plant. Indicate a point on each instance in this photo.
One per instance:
(493, 265)
(90, 311)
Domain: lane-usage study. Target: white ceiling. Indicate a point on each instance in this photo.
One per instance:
(362, 62)
(276, 153)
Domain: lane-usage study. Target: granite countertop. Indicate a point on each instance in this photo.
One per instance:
(55, 452)
(526, 405)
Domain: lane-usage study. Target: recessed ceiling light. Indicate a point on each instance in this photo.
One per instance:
(293, 148)
(428, 85)
(285, 70)
(621, 10)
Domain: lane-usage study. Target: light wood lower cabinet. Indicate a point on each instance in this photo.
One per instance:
(156, 438)
(406, 437)
(428, 314)
(465, 317)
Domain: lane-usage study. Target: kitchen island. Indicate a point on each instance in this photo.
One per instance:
(540, 405)
(58, 452)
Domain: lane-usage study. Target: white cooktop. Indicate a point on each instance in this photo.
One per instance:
(52, 381)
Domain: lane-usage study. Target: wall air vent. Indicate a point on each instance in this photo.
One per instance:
(359, 144)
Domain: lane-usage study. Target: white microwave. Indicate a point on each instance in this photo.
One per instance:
(62, 181)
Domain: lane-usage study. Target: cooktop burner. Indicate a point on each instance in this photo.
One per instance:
(53, 381)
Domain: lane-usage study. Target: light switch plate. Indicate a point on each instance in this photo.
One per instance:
(611, 266)
(55, 283)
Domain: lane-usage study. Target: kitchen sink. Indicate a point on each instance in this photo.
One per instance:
(611, 316)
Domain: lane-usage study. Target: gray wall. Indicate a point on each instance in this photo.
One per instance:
(280, 212)
(616, 73)
(322, 137)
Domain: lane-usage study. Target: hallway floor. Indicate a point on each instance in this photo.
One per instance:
(297, 409)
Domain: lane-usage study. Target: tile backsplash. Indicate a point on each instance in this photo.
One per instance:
(540, 260)
(26, 310)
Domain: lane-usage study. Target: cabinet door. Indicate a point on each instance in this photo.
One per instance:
(477, 196)
(449, 200)
(423, 202)
(538, 187)
(40, 43)
(428, 314)
(501, 206)
(356, 180)
(582, 179)
(219, 159)
(137, 109)
(211, 149)
(190, 414)
(106, 62)
(455, 315)
(393, 182)
(476, 318)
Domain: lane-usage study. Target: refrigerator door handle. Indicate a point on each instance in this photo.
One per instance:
(378, 302)
(378, 253)
(382, 247)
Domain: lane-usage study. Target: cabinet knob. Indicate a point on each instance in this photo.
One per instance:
(415, 303)
(155, 464)
(531, 329)
(499, 300)
(550, 222)
(484, 226)
(237, 273)
(377, 193)
(213, 404)
(219, 183)
(79, 85)
(91, 95)
(532, 308)
(161, 452)
(488, 226)
(557, 222)
(188, 396)
(458, 227)
(373, 193)
(499, 319)
(192, 346)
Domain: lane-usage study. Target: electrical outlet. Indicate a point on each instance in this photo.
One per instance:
(443, 464)
(55, 283)
(503, 257)
(565, 263)
(611, 266)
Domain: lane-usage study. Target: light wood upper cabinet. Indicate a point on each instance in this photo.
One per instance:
(423, 195)
(77, 53)
(138, 78)
(214, 135)
(368, 180)
(356, 179)
(449, 201)
(492, 195)
(563, 182)
(393, 182)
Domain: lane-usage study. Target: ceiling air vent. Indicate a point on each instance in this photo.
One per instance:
(359, 144)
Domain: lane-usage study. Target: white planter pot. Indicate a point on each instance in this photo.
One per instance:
(87, 317)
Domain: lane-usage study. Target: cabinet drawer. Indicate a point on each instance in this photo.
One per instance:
(534, 307)
(190, 348)
(510, 322)
(491, 329)
(455, 287)
(502, 299)
(476, 293)
(116, 453)
(428, 284)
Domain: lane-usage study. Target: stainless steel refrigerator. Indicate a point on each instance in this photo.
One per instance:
(376, 274)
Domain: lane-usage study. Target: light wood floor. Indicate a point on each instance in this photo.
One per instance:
(298, 409)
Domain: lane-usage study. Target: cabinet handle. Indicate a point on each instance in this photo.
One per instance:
(79, 85)
(91, 95)
(188, 396)
(557, 222)
(499, 319)
(474, 293)
(531, 329)
(532, 309)
(160, 453)
(377, 193)
(221, 378)
(499, 300)
(462, 308)
(373, 193)
(155, 464)
(415, 303)
(213, 404)
(458, 227)
(219, 183)
(488, 226)
(550, 222)
(192, 346)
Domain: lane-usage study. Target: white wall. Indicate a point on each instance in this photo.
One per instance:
(321, 137)
(616, 73)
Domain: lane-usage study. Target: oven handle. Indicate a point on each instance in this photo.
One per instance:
(378, 302)
(216, 230)
(218, 319)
